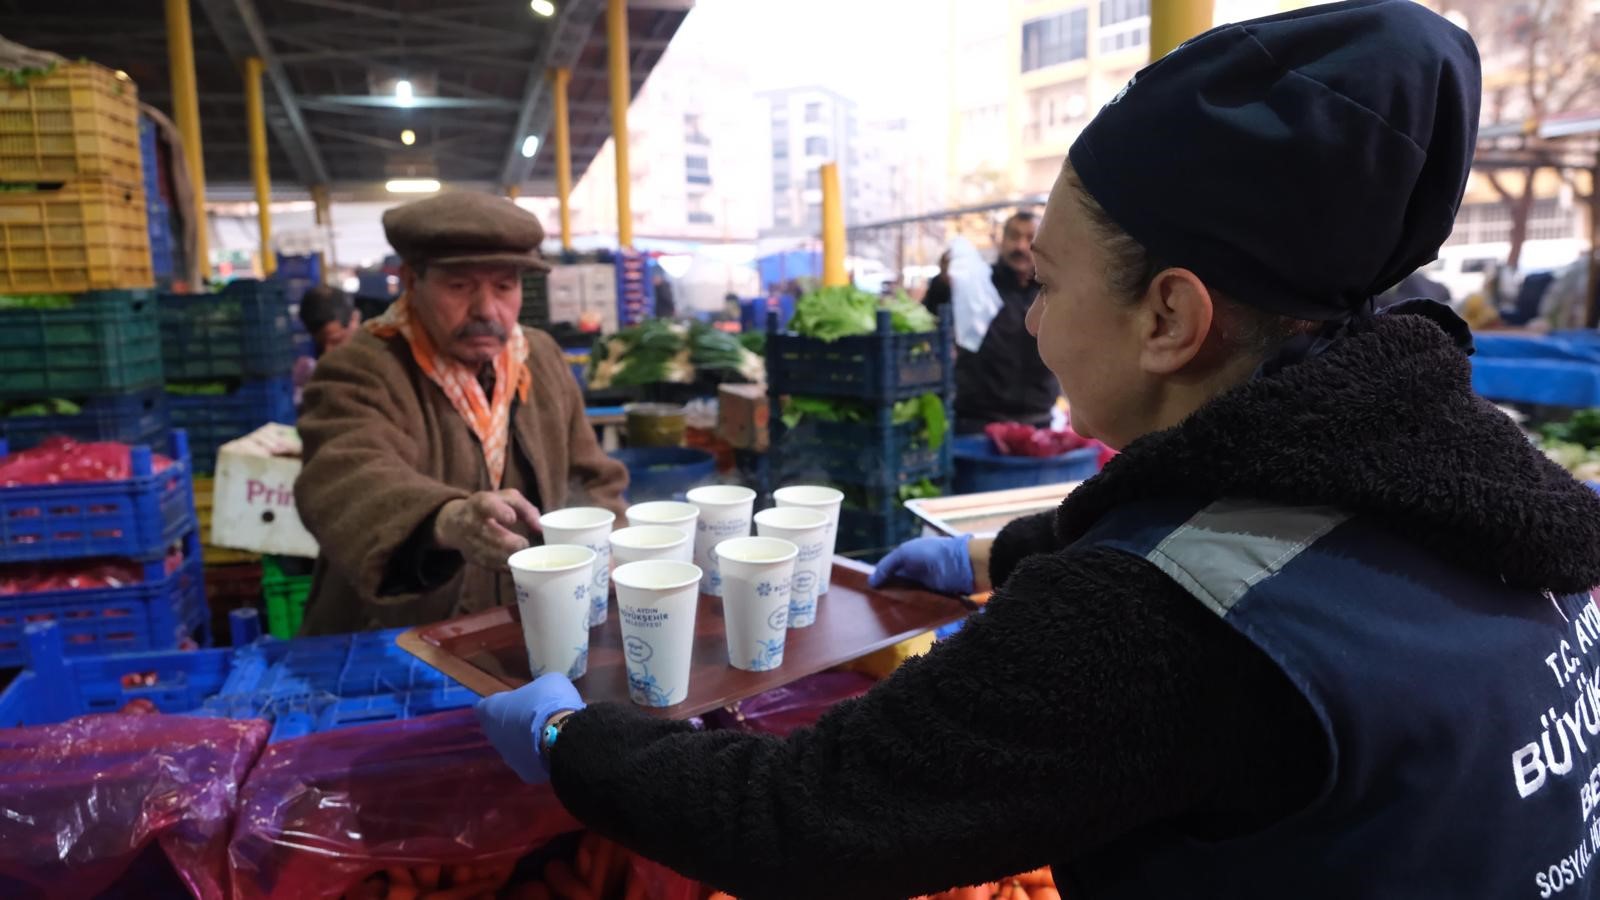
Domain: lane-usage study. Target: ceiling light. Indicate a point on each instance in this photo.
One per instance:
(403, 94)
(543, 8)
(412, 185)
(530, 146)
(408, 137)
(352, 284)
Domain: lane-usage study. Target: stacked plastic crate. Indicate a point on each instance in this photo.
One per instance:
(164, 251)
(228, 358)
(303, 686)
(880, 431)
(77, 318)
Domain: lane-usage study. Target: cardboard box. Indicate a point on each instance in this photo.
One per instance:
(565, 287)
(742, 416)
(253, 505)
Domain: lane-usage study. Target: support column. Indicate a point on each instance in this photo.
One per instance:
(256, 113)
(560, 80)
(186, 113)
(621, 95)
(834, 273)
(1174, 21)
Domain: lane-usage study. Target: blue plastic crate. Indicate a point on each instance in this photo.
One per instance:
(861, 531)
(352, 680)
(138, 517)
(875, 453)
(149, 158)
(162, 241)
(665, 473)
(307, 268)
(243, 332)
(136, 418)
(879, 368)
(214, 420)
(979, 468)
(159, 613)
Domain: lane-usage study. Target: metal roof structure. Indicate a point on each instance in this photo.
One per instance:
(478, 71)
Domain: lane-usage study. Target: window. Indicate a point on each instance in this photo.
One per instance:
(814, 216)
(816, 146)
(780, 150)
(780, 180)
(697, 170)
(1056, 39)
(1113, 12)
(692, 131)
(702, 218)
(1485, 223)
(813, 112)
(814, 180)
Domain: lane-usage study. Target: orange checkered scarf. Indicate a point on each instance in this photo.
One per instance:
(489, 418)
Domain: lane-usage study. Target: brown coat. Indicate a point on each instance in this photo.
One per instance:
(384, 450)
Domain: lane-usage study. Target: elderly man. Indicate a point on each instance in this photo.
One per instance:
(434, 437)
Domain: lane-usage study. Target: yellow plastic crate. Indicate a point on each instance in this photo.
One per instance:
(204, 490)
(79, 122)
(87, 236)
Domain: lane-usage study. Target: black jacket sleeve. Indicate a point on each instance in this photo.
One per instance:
(1019, 540)
(1091, 698)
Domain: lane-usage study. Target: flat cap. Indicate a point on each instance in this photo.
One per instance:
(465, 227)
(1300, 163)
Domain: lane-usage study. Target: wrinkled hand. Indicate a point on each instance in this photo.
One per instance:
(940, 564)
(480, 527)
(514, 720)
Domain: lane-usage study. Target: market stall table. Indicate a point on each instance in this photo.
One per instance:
(607, 422)
(485, 651)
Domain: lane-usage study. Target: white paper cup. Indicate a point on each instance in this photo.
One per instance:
(646, 542)
(681, 516)
(725, 511)
(586, 526)
(656, 602)
(553, 584)
(825, 499)
(807, 529)
(756, 575)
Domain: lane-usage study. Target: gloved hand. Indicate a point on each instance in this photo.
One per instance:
(515, 719)
(940, 564)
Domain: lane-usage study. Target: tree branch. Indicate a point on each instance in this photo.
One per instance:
(1499, 187)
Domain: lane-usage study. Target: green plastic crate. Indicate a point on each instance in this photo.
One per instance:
(94, 343)
(285, 595)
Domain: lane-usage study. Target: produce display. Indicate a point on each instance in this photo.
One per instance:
(831, 313)
(63, 461)
(1575, 444)
(34, 578)
(50, 406)
(928, 407)
(37, 301)
(1018, 439)
(661, 352)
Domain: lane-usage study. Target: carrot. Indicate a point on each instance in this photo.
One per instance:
(564, 883)
(400, 875)
(462, 874)
(1046, 893)
(635, 890)
(428, 876)
(719, 895)
(604, 853)
(401, 892)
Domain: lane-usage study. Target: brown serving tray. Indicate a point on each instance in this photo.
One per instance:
(485, 652)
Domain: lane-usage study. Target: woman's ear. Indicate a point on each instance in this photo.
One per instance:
(1176, 316)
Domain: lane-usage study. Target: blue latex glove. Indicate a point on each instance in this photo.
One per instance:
(940, 564)
(515, 719)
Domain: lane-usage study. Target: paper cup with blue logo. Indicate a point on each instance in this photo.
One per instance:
(656, 603)
(725, 512)
(807, 529)
(756, 574)
(646, 542)
(671, 513)
(586, 526)
(823, 499)
(553, 584)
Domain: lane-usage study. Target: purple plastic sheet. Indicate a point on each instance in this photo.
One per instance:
(782, 710)
(81, 800)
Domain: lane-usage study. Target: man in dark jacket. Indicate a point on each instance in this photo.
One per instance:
(1323, 629)
(1004, 380)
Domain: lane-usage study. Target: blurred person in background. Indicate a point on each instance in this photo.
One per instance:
(666, 306)
(999, 375)
(331, 318)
